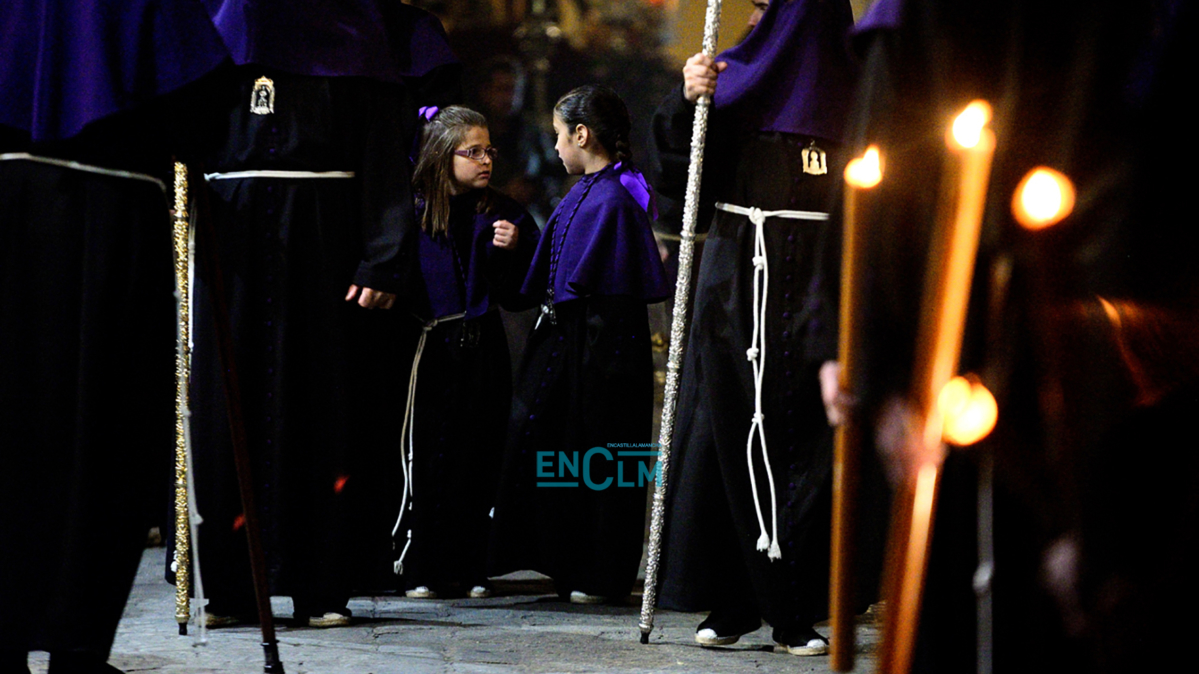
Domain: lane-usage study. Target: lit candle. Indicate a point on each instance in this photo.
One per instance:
(954, 247)
(952, 251)
(968, 409)
(1043, 198)
(861, 174)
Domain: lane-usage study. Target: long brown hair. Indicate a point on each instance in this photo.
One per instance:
(434, 173)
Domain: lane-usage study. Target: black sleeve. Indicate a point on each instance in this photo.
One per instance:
(671, 160)
(388, 220)
(672, 143)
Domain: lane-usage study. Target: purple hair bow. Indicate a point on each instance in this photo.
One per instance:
(428, 112)
(635, 183)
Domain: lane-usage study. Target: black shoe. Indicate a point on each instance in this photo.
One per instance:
(722, 628)
(80, 663)
(799, 642)
(14, 662)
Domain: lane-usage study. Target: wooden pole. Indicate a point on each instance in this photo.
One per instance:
(207, 246)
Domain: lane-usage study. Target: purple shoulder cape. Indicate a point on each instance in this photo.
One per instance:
(332, 38)
(601, 234)
(793, 73)
(490, 275)
(67, 63)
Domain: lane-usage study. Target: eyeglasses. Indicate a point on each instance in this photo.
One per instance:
(477, 153)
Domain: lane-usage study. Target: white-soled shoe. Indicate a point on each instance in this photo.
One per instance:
(330, 619)
(578, 597)
(421, 592)
(480, 592)
(815, 646)
(708, 637)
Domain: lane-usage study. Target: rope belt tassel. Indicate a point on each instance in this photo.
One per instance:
(756, 354)
(407, 433)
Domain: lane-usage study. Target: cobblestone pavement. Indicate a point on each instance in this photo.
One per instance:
(525, 628)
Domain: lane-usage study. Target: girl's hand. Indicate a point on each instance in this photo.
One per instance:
(370, 299)
(506, 235)
(699, 76)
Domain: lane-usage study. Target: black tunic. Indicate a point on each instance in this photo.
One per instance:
(585, 382)
(463, 393)
(712, 529)
(308, 361)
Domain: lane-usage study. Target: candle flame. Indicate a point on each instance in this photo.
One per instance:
(1043, 198)
(866, 171)
(968, 126)
(968, 410)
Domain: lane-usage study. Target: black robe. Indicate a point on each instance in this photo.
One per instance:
(463, 392)
(87, 343)
(710, 556)
(309, 362)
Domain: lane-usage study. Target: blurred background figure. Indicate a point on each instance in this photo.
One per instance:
(1083, 329)
(526, 169)
(87, 336)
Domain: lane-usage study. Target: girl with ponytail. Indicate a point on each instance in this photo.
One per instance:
(585, 383)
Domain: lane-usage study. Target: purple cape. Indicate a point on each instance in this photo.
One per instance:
(332, 38)
(67, 63)
(793, 73)
(608, 249)
(491, 274)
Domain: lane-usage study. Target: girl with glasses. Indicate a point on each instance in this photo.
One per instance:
(474, 248)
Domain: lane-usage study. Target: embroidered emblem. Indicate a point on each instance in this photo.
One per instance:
(262, 98)
(814, 160)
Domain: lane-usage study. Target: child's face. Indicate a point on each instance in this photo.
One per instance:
(569, 152)
(472, 174)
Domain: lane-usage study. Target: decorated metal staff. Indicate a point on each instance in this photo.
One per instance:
(678, 325)
(207, 244)
(952, 252)
(182, 560)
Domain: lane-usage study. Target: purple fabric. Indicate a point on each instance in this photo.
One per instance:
(379, 39)
(883, 15)
(418, 39)
(793, 73)
(487, 269)
(608, 248)
(635, 183)
(66, 63)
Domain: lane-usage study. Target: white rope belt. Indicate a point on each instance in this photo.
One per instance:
(232, 175)
(753, 213)
(87, 168)
(756, 353)
(407, 432)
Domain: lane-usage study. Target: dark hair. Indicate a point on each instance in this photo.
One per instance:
(431, 179)
(600, 109)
